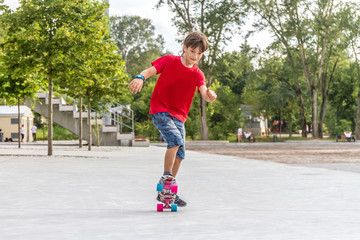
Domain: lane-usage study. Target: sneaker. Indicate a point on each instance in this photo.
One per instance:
(166, 193)
(180, 202)
(158, 198)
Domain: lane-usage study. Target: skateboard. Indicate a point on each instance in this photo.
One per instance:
(167, 191)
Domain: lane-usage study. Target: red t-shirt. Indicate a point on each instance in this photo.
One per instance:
(175, 88)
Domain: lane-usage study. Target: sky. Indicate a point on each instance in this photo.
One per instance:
(161, 19)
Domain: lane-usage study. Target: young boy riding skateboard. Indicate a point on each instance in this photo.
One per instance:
(172, 97)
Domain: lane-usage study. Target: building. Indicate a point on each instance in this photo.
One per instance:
(9, 121)
(257, 125)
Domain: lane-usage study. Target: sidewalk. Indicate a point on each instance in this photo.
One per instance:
(109, 193)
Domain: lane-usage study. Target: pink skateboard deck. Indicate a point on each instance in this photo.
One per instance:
(167, 193)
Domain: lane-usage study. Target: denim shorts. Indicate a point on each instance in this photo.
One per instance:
(173, 131)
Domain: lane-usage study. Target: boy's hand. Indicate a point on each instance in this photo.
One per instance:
(211, 94)
(136, 85)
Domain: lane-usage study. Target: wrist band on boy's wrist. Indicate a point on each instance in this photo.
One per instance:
(140, 76)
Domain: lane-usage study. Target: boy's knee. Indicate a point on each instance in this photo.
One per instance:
(175, 142)
(174, 147)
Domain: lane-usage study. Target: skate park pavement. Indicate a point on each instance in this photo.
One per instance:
(109, 193)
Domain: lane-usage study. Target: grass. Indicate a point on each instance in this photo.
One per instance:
(270, 138)
(59, 133)
(232, 139)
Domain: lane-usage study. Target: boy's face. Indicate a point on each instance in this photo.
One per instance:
(192, 55)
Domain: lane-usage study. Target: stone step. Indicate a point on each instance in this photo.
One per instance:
(67, 115)
(140, 143)
(110, 128)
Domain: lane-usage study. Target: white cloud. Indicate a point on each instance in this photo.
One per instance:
(13, 4)
(161, 18)
(163, 25)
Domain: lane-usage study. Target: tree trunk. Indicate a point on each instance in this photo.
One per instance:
(322, 82)
(289, 126)
(312, 90)
(297, 91)
(50, 113)
(204, 127)
(97, 130)
(357, 123)
(315, 130)
(280, 123)
(321, 121)
(89, 122)
(80, 123)
(322, 106)
(302, 110)
(325, 89)
(19, 125)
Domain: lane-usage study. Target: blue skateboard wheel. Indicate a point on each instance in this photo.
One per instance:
(159, 187)
(174, 207)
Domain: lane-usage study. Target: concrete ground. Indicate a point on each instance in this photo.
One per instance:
(109, 193)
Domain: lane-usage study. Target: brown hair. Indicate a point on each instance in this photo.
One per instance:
(197, 39)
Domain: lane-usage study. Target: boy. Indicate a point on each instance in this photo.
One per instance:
(172, 97)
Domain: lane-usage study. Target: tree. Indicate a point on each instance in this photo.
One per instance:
(107, 78)
(217, 20)
(192, 124)
(136, 41)
(40, 29)
(96, 70)
(352, 34)
(269, 93)
(343, 97)
(17, 81)
(138, 45)
(274, 17)
(233, 69)
(315, 46)
(49, 33)
(225, 113)
(310, 29)
(232, 72)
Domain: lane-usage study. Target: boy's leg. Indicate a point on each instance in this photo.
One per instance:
(176, 166)
(180, 155)
(170, 159)
(167, 125)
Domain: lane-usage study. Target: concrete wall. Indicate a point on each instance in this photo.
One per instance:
(66, 120)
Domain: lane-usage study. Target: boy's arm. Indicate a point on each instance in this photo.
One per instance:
(207, 94)
(137, 83)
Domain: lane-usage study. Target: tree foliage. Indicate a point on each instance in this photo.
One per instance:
(65, 45)
(217, 19)
(136, 40)
(269, 93)
(313, 30)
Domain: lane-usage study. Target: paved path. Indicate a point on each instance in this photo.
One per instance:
(109, 193)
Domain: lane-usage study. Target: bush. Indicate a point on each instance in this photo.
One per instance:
(59, 133)
(344, 125)
(147, 129)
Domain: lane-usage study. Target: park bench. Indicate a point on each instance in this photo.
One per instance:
(343, 138)
(250, 139)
